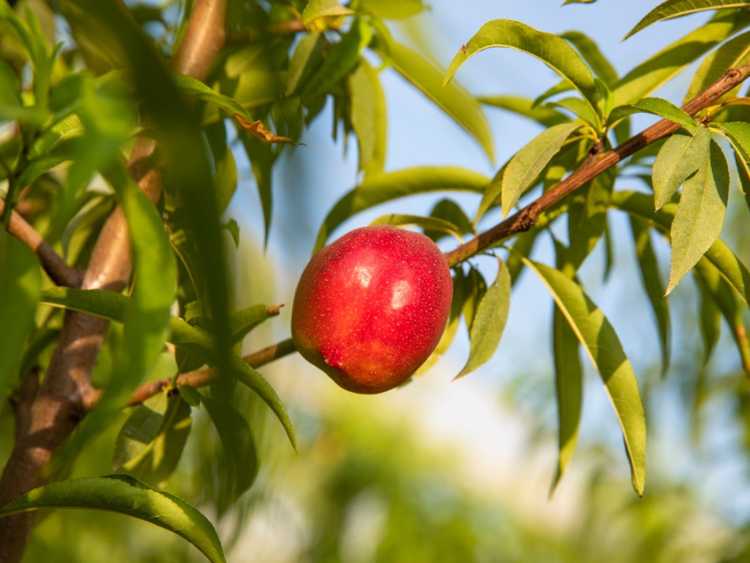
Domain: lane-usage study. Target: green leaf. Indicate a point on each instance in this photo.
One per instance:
(489, 321)
(677, 160)
(730, 304)
(20, 283)
(648, 266)
(262, 158)
(524, 107)
(317, 9)
(339, 61)
(719, 254)
(670, 61)
(239, 459)
(392, 9)
(738, 133)
(225, 166)
(568, 2)
(554, 51)
(392, 185)
(207, 94)
(460, 291)
(452, 99)
(449, 210)
(710, 322)
(245, 320)
(597, 336)
(476, 287)
(700, 215)
(528, 163)
(580, 109)
(677, 8)
(656, 106)
(150, 442)
(733, 53)
(255, 381)
(369, 117)
(587, 218)
(299, 60)
(590, 51)
(568, 390)
(427, 223)
(126, 495)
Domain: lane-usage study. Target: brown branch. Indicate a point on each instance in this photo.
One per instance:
(52, 263)
(524, 219)
(204, 376)
(55, 409)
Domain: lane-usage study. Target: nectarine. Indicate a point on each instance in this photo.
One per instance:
(370, 308)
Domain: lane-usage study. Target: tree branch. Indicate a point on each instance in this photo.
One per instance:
(524, 219)
(52, 263)
(66, 393)
(204, 376)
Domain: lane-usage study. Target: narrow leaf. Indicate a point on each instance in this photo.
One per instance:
(427, 223)
(677, 8)
(603, 346)
(489, 321)
(675, 57)
(677, 160)
(593, 55)
(452, 99)
(369, 117)
(20, 283)
(700, 215)
(528, 163)
(554, 51)
(298, 62)
(126, 495)
(392, 185)
(656, 106)
(710, 322)
(648, 267)
(525, 108)
(732, 53)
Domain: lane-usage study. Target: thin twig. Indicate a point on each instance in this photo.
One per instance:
(204, 376)
(52, 263)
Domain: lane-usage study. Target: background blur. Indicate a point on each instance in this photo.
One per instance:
(460, 471)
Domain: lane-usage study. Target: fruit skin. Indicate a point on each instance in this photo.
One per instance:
(370, 308)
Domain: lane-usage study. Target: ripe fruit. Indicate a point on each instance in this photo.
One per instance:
(370, 308)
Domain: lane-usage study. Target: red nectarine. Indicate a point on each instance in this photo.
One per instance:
(370, 308)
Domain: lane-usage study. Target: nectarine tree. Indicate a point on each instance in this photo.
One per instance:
(121, 126)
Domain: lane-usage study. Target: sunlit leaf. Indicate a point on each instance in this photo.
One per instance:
(20, 283)
(597, 336)
(731, 306)
(427, 223)
(657, 106)
(392, 9)
(489, 321)
(587, 218)
(700, 214)
(678, 159)
(590, 51)
(393, 185)
(448, 210)
(126, 495)
(369, 117)
(245, 320)
(675, 57)
(524, 107)
(648, 267)
(322, 9)
(554, 51)
(452, 99)
(300, 58)
(528, 163)
(719, 254)
(732, 53)
(677, 8)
